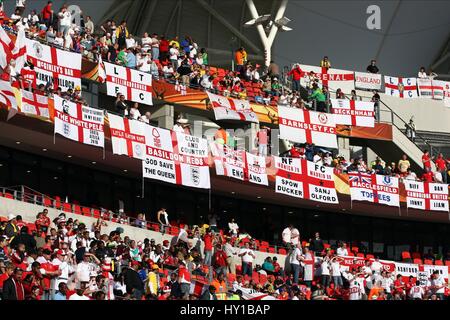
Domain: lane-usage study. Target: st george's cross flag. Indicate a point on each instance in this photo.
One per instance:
(6, 48)
(227, 161)
(231, 109)
(374, 188)
(34, 104)
(400, 87)
(304, 179)
(135, 85)
(8, 95)
(353, 113)
(426, 196)
(331, 78)
(177, 158)
(54, 66)
(127, 136)
(431, 89)
(304, 126)
(79, 123)
(255, 169)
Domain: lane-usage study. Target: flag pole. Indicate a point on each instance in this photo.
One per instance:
(209, 198)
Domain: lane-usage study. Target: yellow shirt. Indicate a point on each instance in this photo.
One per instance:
(403, 165)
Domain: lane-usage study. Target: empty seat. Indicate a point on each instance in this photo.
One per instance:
(271, 250)
(447, 263)
(428, 261)
(282, 251)
(96, 213)
(47, 202)
(264, 244)
(86, 211)
(417, 261)
(355, 249)
(370, 256)
(416, 255)
(406, 255)
(76, 209)
(8, 195)
(438, 263)
(351, 254)
(67, 207)
(360, 255)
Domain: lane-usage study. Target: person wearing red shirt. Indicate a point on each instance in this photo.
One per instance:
(163, 48)
(426, 160)
(184, 279)
(296, 74)
(220, 260)
(399, 286)
(7, 270)
(441, 165)
(295, 153)
(428, 175)
(29, 75)
(208, 239)
(47, 14)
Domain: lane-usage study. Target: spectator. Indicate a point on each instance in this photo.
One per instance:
(209, 294)
(296, 74)
(247, 255)
(404, 165)
(89, 25)
(316, 244)
(428, 175)
(422, 73)
(295, 258)
(231, 252)
(411, 129)
(13, 288)
(24, 238)
(273, 70)
(121, 105)
(426, 160)
(209, 244)
(240, 59)
(378, 168)
(319, 98)
(410, 175)
(220, 261)
(372, 68)
(441, 166)
(325, 63)
(286, 235)
(342, 250)
(122, 34)
(233, 228)
(131, 58)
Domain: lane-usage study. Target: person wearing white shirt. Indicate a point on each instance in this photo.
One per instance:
(65, 20)
(85, 267)
(178, 127)
(317, 159)
(66, 269)
(336, 272)
(387, 282)
(143, 62)
(231, 252)
(355, 292)
(295, 236)
(422, 74)
(168, 71)
(416, 292)
(59, 40)
(146, 117)
(130, 42)
(248, 256)
(294, 260)
(325, 270)
(78, 296)
(134, 112)
(173, 56)
(146, 41)
(286, 235)
(376, 266)
(183, 235)
(342, 250)
(438, 284)
(233, 226)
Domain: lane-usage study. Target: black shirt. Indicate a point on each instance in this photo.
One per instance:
(372, 69)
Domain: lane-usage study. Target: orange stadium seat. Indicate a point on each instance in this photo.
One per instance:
(438, 263)
(76, 209)
(417, 261)
(370, 256)
(67, 207)
(282, 251)
(86, 211)
(406, 255)
(447, 263)
(428, 261)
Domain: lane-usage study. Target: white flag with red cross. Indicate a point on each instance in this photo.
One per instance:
(228, 162)
(79, 123)
(34, 104)
(426, 196)
(20, 51)
(374, 188)
(6, 48)
(176, 158)
(255, 169)
(353, 113)
(127, 136)
(135, 85)
(298, 125)
(8, 95)
(304, 179)
(331, 78)
(59, 67)
(232, 109)
(432, 89)
(400, 87)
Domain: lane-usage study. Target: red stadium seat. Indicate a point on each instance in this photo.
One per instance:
(262, 279)
(417, 261)
(282, 251)
(447, 263)
(255, 276)
(416, 255)
(96, 213)
(355, 249)
(264, 244)
(3, 219)
(67, 207)
(86, 211)
(438, 263)
(57, 202)
(360, 255)
(370, 256)
(326, 246)
(406, 255)
(231, 277)
(47, 202)
(351, 254)
(8, 195)
(428, 261)
(272, 250)
(76, 209)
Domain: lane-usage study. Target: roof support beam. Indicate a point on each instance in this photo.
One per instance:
(228, 25)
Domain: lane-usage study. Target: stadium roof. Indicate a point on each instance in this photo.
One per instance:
(413, 33)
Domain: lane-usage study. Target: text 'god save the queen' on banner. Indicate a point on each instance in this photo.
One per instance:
(231, 109)
(374, 188)
(304, 126)
(426, 196)
(304, 179)
(54, 66)
(228, 162)
(176, 158)
(135, 85)
(79, 123)
(127, 136)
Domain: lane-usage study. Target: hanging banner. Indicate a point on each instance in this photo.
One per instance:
(228, 162)
(298, 125)
(176, 158)
(34, 104)
(127, 136)
(135, 85)
(400, 87)
(374, 188)
(426, 196)
(54, 66)
(332, 78)
(353, 113)
(79, 123)
(288, 178)
(446, 92)
(8, 96)
(432, 89)
(231, 109)
(255, 171)
(367, 81)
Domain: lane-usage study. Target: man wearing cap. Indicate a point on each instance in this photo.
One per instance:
(66, 269)
(133, 282)
(13, 288)
(11, 229)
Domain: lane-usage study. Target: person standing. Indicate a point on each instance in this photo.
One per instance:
(441, 165)
(294, 259)
(411, 129)
(296, 74)
(372, 68)
(308, 265)
(13, 288)
(248, 256)
(230, 251)
(163, 219)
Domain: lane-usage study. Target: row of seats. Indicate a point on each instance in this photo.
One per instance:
(416, 258)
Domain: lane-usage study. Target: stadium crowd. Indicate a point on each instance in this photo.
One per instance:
(65, 259)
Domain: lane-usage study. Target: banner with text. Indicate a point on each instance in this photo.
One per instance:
(432, 89)
(426, 196)
(231, 109)
(353, 113)
(332, 78)
(127, 136)
(58, 67)
(374, 188)
(367, 81)
(78, 122)
(255, 169)
(400, 87)
(228, 162)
